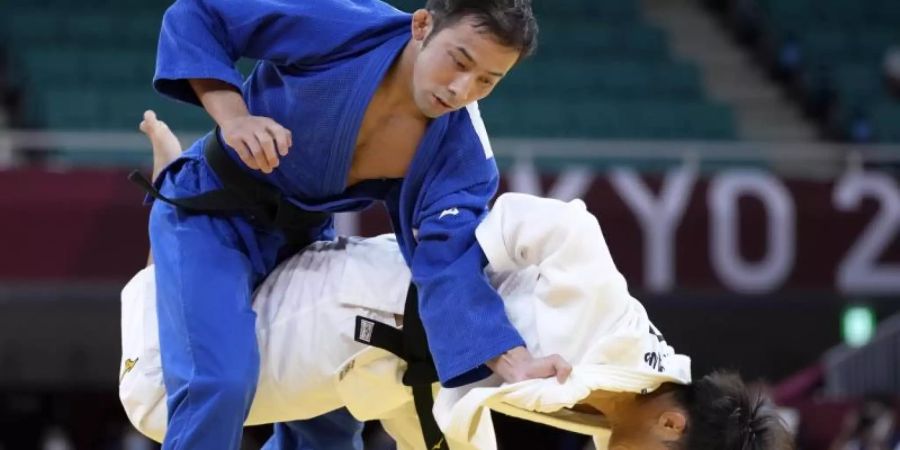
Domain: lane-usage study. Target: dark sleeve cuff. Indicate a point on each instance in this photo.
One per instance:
(473, 368)
(178, 87)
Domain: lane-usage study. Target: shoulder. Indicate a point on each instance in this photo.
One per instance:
(466, 144)
(345, 8)
(472, 115)
(371, 11)
(467, 129)
(327, 20)
(371, 15)
(462, 160)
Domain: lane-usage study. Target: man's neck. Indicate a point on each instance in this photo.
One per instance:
(396, 90)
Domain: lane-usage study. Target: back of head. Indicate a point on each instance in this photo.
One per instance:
(511, 22)
(724, 414)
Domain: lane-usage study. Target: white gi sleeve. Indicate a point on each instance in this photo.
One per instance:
(580, 289)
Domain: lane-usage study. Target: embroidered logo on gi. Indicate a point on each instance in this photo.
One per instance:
(449, 212)
(438, 445)
(655, 361)
(129, 364)
(366, 327)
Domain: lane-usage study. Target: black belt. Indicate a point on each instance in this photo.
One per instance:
(261, 203)
(411, 345)
(244, 195)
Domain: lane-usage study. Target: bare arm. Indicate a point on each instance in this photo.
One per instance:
(257, 140)
(221, 100)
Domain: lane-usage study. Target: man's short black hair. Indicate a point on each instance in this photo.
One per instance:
(511, 22)
(724, 414)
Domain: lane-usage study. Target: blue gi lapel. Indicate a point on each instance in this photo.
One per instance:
(421, 168)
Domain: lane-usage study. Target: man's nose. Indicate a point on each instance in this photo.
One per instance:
(461, 87)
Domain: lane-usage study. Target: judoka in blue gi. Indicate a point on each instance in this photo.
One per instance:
(351, 103)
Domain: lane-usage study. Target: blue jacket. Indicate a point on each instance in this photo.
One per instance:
(320, 62)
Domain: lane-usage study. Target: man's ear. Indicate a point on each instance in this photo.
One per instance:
(422, 24)
(671, 425)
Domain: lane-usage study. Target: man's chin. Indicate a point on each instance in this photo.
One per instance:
(432, 114)
(431, 111)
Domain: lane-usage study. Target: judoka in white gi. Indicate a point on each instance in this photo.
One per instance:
(550, 263)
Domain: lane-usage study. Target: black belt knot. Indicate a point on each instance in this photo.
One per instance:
(244, 195)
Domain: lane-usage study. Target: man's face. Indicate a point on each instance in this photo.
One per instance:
(458, 65)
(648, 426)
(645, 440)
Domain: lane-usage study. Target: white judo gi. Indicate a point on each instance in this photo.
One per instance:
(549, 262)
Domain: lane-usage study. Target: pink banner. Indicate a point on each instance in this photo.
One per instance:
(742, 231)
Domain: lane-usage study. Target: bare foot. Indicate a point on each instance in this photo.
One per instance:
(166, 147)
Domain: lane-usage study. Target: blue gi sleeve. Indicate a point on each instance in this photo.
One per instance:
(463, 315)
(204, 38)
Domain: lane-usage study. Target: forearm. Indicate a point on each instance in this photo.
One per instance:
(464, 331)
(221, 100)
(517, 364)
(505, 362)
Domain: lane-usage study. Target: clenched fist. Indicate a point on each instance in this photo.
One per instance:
(259, 141)
(518, 365)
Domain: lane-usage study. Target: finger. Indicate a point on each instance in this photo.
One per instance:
(267, 144)
(257, 154)
(244, 153)
(288, 135)
(541, 368)
(563, 369)
(281, 138)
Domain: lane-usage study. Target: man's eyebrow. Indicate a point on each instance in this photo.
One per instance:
(472, 60)
(466, 54)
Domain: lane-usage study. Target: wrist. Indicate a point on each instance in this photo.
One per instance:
(227, 112)
(222, 101)
(507, 360)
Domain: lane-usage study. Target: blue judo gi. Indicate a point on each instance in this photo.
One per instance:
(320, 62)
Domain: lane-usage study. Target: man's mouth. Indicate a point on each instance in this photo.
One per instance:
(442, 103)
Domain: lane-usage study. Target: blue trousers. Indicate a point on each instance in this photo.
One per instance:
(206, 270)
(337, 430)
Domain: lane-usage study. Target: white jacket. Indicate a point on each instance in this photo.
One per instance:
(549, 262)
(576, 305)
